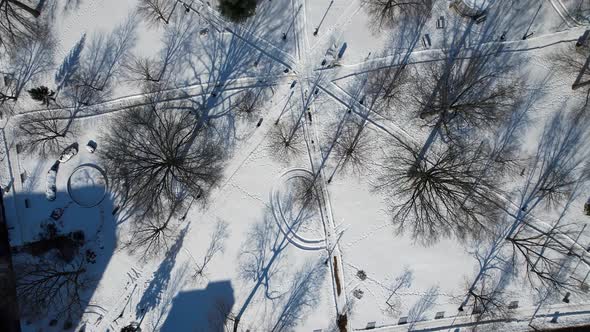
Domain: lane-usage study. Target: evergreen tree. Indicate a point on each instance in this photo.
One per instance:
(237, 10)
(42, 94)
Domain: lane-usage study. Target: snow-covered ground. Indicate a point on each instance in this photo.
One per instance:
(346, 256)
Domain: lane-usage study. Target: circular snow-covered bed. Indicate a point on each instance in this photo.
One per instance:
(301, 224)
(87, 185)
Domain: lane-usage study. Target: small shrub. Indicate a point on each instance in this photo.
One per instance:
(361, 275)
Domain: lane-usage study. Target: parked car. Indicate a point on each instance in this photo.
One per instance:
(91, 146)
(51, 187)
(51, 182)
(68, 153)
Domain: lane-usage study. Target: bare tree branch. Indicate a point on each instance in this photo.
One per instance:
(439, 196)
(157, 155)
(47, 284)
(217, 245)
(387, 13)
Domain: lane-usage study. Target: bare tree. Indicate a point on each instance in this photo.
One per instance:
(303, 193)
(573, 60)
(286, 140)
(491, 300)
(157, 155)
(29, 57)
(353, 146)
(248, 104)
(387, 13)
(490, 261)
(441, 195)
(153, 232)
(177, 40)
(260, 261)
(543, 253)
(47, 133)
(490, 294)
(378, 92)
(217, 245)
(261, 256)
(46, 284)
(581, 10)
(386, 85)
(154, 11)
(456, 96)
(16, 21)
(570, 59)
(558, 161)
(556, 169)
(547, 252)
(404, 280)
(84, 83)
(100, 64)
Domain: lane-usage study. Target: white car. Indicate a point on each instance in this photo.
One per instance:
(68, 153)
(51, 187)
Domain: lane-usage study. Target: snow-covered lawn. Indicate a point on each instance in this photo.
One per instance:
(253, 251)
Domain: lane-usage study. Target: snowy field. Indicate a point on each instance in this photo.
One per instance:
(255, 252)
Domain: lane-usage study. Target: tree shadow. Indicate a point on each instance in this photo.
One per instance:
(153, 294)
(424, 304)
(494, 274)
(87, 76)
(472, 89)
(100, 64)
(71, 5)
(69, 65)
(402, 281)
(300, 297)
(225, 57)
(555, 172)
(376, 90)
(23, 63)
(267, 26)
(263, 257)
(217, 61)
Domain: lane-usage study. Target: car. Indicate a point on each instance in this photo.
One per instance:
(68, 153)
(91, 146)
(51, 190)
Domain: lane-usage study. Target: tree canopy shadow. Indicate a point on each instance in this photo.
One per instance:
(153, 294)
